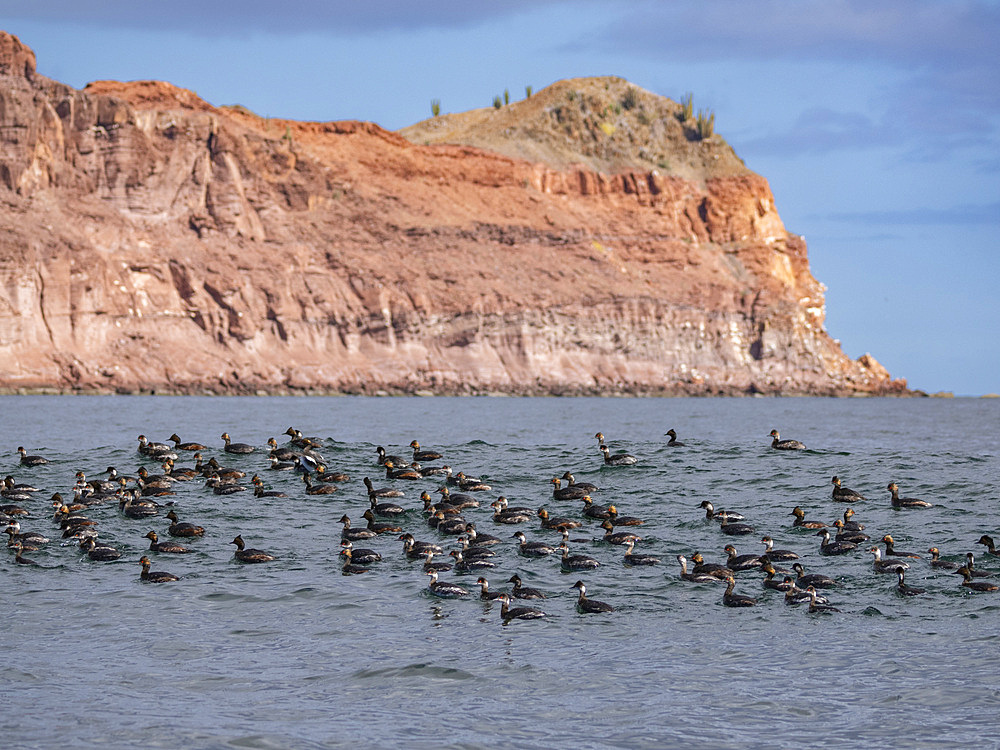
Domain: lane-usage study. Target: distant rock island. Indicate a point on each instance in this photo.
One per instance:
(585, 240)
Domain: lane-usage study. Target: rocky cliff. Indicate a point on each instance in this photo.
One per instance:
(151, 241)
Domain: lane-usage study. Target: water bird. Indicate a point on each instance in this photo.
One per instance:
(800, 520)
(360, 554)
(155, 545)
(990, 546)
(936, 562)
(736, 600)
(969, 583)
(414, 549)
(891, 551)
(815, 606)
(249, 555)
(785, 445)
(231, 447)
(177, 528)
(158, 576)
(881, 565)
(382, 491)
(380, 527)
(706, 568)
(354, 534)
(617, 520)
(27, 460)
(592, 510)
(484, 590)
(777, 554)
(523, 592)
(970, 563)
(556, 523)
(19, 558)
(532, 549)
(736, 562)
(618, 459)
(770, 583)
(589, 606)
(98, 552)
(571, 481)
(731, 527)
(318, 489)
(382, 457)
(817, 580)
(443, 588)
(694, 577)
(711, 514)
(182, 446)
(904, 588)
(350, 567)
(507, 613)
(259, 491)
(617, 537)
(849, 535)
(631, 558)
(419, 455)
(576, 562)
(571, 492)
(464, 566)
(673, 442)
(905, 502)
(845, 494)
(828, 547)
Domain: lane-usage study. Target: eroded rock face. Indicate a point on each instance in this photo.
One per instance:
(149, 241)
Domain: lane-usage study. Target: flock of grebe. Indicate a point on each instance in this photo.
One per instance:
(455, 519)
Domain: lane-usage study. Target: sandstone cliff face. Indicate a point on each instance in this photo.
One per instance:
(149, 241)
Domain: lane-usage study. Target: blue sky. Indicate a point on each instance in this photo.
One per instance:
(877, 122)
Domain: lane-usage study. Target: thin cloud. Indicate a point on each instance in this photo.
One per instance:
(215, 19)
(985, 214)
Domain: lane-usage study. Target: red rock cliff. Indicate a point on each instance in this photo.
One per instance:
(150, 241)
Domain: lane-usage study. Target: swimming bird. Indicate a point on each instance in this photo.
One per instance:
(360, 555)
(99, 552)
(19, 558)
(785, 445)
(259, 491)
(595, 511)
(414, 549)
(845, 494)
(815, 606)
(248, 555)
(382, 491)
(445, 589)
(891, 551)
(712, 515)
(694, 577)
(484, 590)
(380, 527)
(523, 592)
(828, 547)
(576, 562)
(769, 581)
(713, 569)
(617, 537)
(903, 588)
(27, 460)
(589, 606)
(777, 554)
(555, 522)
(183, 529)
(517, 613)
(618, 520)
(571, 481)
(619, 459)
(155, 545)
(503, 514)
(419, 455)
(936, 562)
(634, 559)
(350, 567)
(968, 583)
(800, 520)
(464, 566)
(572, 492)
(817, 580)
(737, 562)
(354, 534)
(159, 576)
(882, 565)
(987, 541)
(673, 442)
(736, 600)
(731, 527)
(318, 489)
(970, 563)
(532, 549)
(905, 502)
(849, 535)
(231, 447)
(189, 446)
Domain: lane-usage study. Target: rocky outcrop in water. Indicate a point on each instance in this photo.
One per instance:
(150, 241)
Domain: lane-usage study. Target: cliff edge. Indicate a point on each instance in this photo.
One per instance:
(152, 242)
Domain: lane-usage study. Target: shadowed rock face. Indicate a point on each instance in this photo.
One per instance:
(150, 241)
